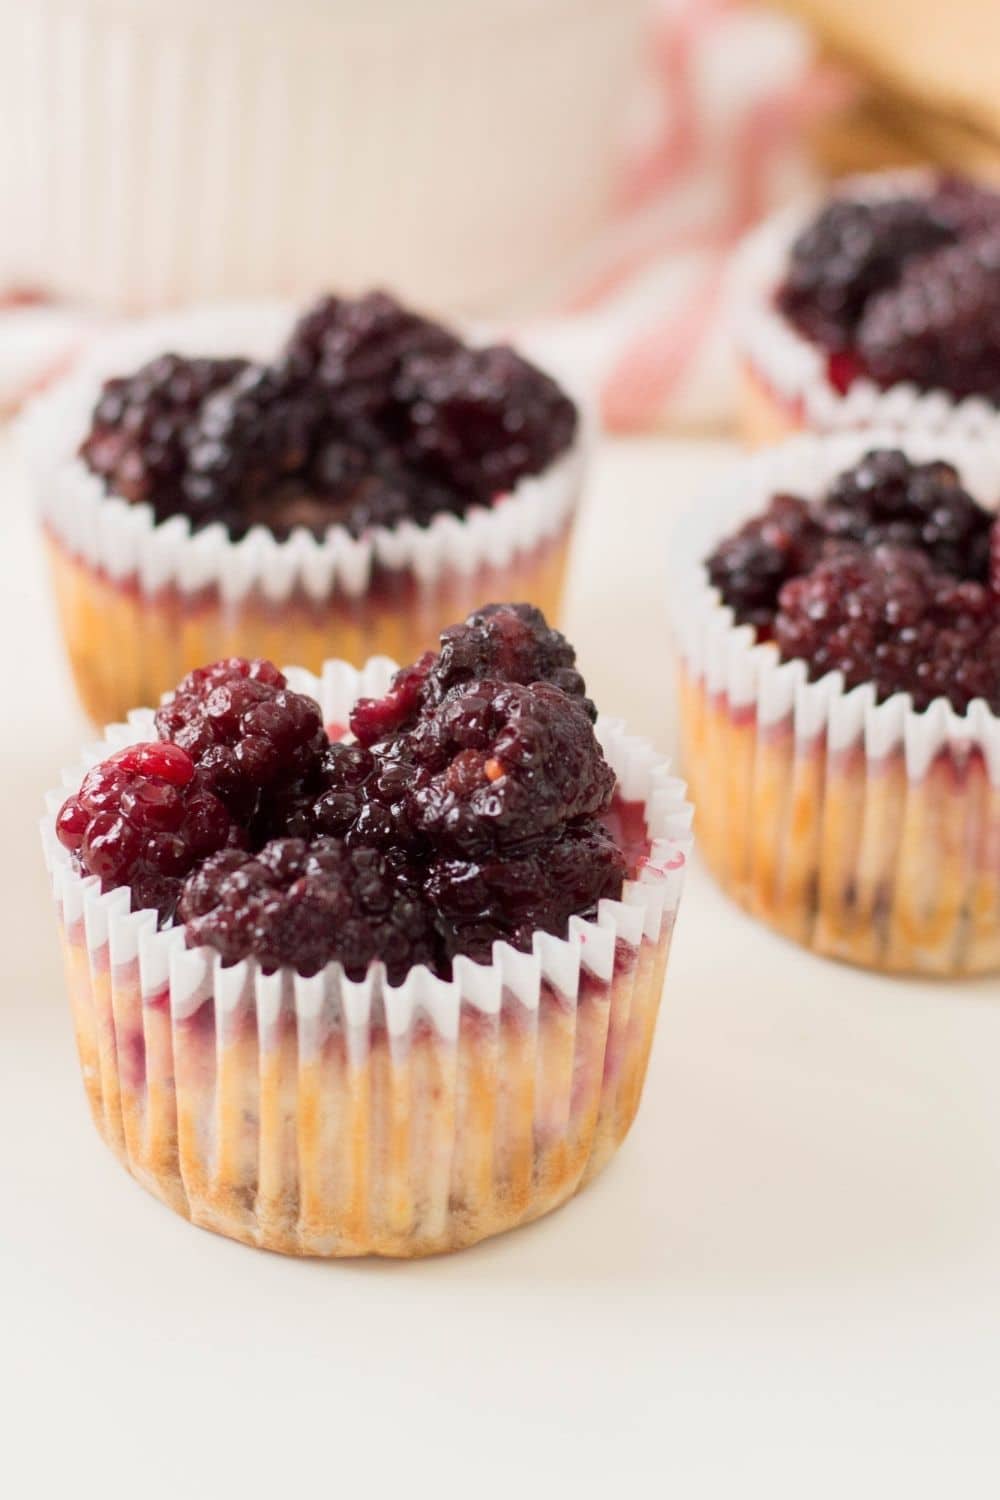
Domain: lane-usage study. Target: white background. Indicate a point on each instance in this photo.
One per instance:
(787, 1283)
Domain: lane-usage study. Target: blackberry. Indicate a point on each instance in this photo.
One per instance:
(355, 348)
(137, 442)
(887, 498)
(142, 819)
(511, 642)
(492, 900)
(304, 905)
(750, 566)
(939, 327)
(965, 206)
(246, 731)
(470, 817)
(481, 419)
(330, 800)
(848, 254)
(497, 764)
(891, 618)
(374, 719)
(324, 436)
(250, 438)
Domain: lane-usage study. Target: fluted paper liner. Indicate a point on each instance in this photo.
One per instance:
(142, 604)
(867, 831)
(787, 381)
(328, 1117)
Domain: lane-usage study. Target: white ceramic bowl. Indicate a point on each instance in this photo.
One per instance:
(156, 151)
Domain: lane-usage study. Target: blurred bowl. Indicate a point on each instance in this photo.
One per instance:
(157, 151)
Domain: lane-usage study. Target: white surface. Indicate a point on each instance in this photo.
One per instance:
(789, 1279)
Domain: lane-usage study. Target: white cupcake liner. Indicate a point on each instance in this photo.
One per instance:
(125, 975)
(869, 832)
(123, 542)
(794, 370)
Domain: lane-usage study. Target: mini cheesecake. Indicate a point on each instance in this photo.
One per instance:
(231, 483)
(370, 963)
(882, 308)
(838, 617)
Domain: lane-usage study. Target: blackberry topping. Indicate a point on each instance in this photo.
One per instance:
(903, 289)
(965, 206)
(343, 796)
(249, 438)
(137, 441)
(892, 577)
(356, 349)
(497, 764)
(481, 419)
(750, 567)
(245, 730)
(886, 498)
(483, 902)
(509, 641)
(374, 719)
(890, 618)
(471, 816)
(848, 253)
(492, 766)
(939, 327)
(347, 427)
(306, 904)
(142, 819)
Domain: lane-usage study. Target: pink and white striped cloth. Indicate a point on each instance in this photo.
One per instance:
(731, 88)
(640, 314)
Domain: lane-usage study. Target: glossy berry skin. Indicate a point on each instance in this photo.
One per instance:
(472, 815)
(512, 642)
(903, 289)
(750, 566)
(494, 765)
(893, 577)
(142, 819)
(374, 719)
(137, 442)
(249, 439)
(497, 764)
(355, 348)
(508, 899)
(888, 499)
(246, 731)
(888, 617)
(338, 430)
(482, 419)
(850, 252)
(939, 327)
(364, 488)
(306, 904)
